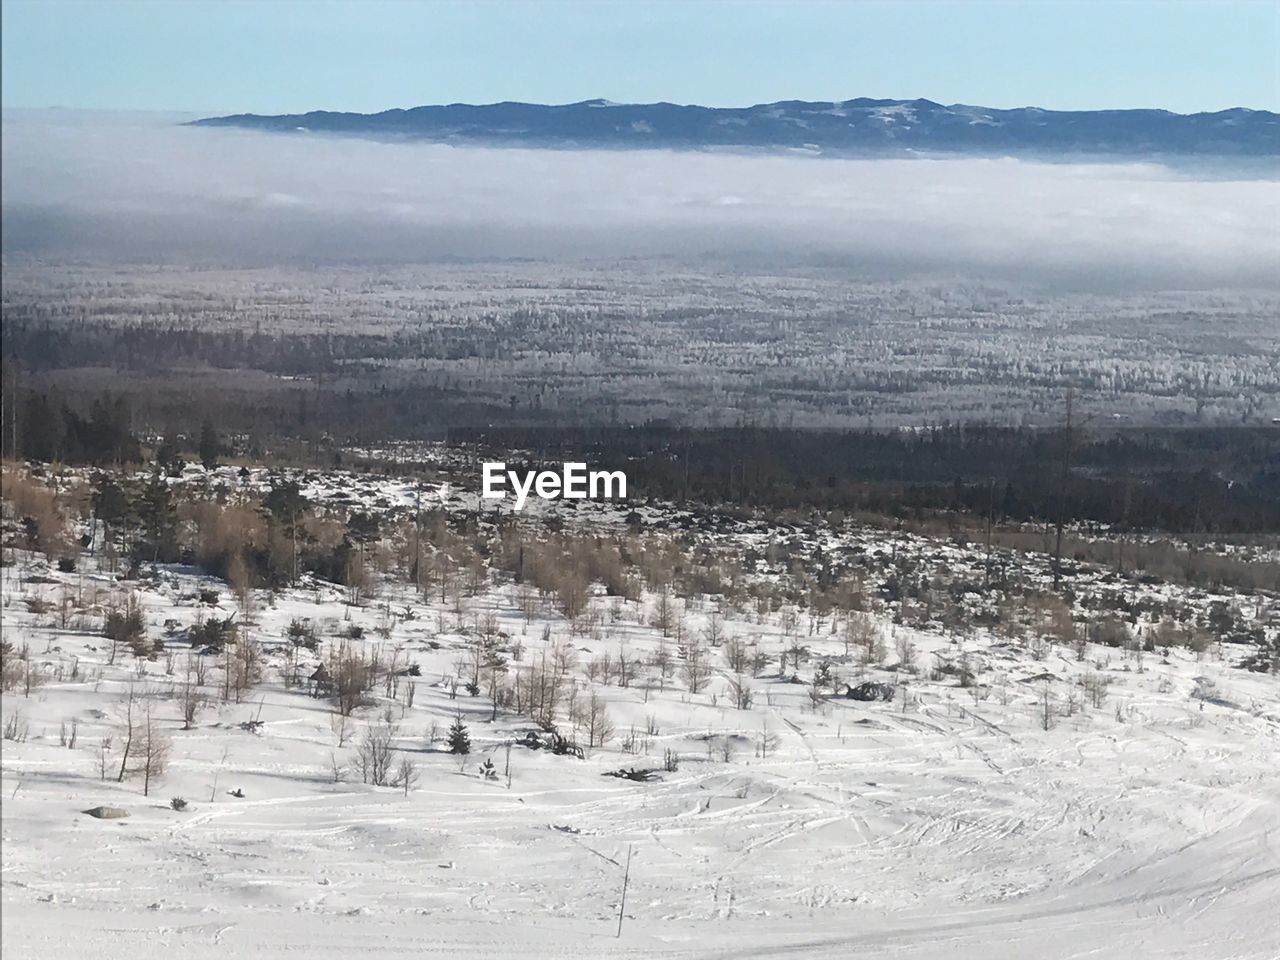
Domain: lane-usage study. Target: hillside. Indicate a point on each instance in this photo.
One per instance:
(861, 125)
(1020, 793)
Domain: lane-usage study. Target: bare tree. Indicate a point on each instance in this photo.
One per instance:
(245, 666)
(32, 676)
(694, 668)
(906, 650)
(199, 669)
(714, 631)
(12, 666)
(340, 724)
(538, 691)
(622, 667)
(742, 695)
(128, 721)
(353, 675)
(104, 752)
(528, 601)
(573, 595)
(737, 654)
(1095, 688)
(768, 741)
(375, 754)
(664, 612)
(191, 699)
(860, 631)
(662, 661)
(406, 775)
(153, 748)
(593, 716)
(1045, 711)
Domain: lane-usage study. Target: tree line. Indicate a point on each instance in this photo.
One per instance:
(1224, 481)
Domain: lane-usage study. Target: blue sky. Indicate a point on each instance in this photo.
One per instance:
(277, 56)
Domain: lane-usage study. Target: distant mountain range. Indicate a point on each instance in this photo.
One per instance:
(852, 127)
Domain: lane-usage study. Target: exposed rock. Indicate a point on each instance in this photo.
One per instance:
(107, 813)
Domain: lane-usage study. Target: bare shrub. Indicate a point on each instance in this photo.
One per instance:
(37, 506)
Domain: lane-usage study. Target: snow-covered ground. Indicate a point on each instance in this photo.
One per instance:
(948, 822)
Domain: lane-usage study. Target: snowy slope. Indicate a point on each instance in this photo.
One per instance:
(947, 822)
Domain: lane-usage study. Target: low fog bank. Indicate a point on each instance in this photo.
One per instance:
(121, 187)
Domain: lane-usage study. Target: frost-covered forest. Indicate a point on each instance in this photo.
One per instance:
(629, 342)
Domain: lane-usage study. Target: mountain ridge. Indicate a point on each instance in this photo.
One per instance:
(860, 125)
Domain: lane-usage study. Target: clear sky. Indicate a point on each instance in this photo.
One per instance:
(284, 56)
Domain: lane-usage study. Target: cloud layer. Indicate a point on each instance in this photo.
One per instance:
(140, 187)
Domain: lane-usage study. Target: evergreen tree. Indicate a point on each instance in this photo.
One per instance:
(285, 502)
(167, 457)
(110, 505)
(362, 527)
(286, 507)
(159, 517)
(210, 445)
(106, 436)
(459, 738)
(43, 429)
(10, 414)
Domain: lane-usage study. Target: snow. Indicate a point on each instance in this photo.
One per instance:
(947, 822)
(892, 114)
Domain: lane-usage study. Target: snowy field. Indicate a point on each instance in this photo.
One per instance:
(1055, 807)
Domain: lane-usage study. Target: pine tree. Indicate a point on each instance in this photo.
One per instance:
(210, 445)
(168, 458)
(43, 428)
(105, 437)
(110, 505)
(459, 738)
(285, 505)
(159, 516)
